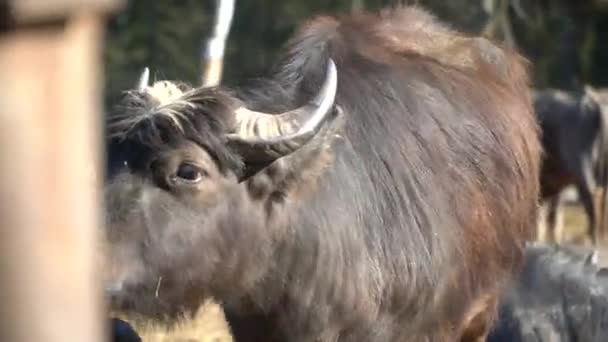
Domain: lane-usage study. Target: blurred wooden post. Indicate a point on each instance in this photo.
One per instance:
(213, 55)
(49, 154)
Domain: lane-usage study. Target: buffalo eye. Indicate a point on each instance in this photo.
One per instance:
(189, 173)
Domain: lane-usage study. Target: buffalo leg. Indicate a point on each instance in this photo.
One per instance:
(541, 226)
(586, 197)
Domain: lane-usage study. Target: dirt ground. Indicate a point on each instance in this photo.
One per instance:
(210, 326)
(575, 224)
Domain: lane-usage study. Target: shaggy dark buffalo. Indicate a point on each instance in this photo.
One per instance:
(561, 295)
(575, 141)
(377, 185)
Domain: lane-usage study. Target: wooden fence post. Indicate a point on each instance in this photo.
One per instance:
(49, 155)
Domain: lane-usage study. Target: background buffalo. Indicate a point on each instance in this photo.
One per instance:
(560, 295)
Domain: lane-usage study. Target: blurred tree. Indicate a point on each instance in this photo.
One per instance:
(552, 36)
(560, 37)
(165, 35)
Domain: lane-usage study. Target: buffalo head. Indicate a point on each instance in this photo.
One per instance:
(180, 191)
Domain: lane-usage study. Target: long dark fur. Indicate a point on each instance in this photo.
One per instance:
(560, 295)
(400, 225)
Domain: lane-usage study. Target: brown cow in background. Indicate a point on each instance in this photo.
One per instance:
(377, 185)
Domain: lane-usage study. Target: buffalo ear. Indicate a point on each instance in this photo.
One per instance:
(269, 181)
(297, 159)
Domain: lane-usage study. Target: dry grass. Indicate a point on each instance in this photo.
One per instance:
(575, 232)
(209, 325)
(575, 223)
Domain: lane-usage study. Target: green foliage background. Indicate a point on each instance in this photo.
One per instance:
(567, 41)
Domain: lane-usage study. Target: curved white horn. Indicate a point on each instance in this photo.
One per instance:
(144, 79)
(273, 135)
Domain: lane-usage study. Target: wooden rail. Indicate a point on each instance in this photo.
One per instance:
(49, 156)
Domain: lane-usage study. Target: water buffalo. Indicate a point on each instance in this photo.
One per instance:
(376, 185)
(575, 141)
(561, 295)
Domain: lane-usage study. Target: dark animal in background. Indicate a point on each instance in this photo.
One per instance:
(377, 185)
(561, 295)
(122, 331)
(575, 141)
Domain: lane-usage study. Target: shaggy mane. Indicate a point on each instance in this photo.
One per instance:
(167, 112)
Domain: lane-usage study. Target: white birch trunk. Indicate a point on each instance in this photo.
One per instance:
(213, 55)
